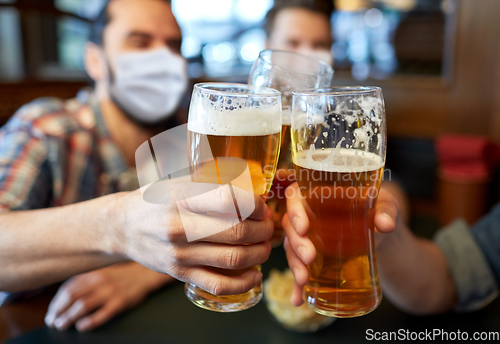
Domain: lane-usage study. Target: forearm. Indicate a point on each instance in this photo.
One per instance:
(414, 273)
(40, 247)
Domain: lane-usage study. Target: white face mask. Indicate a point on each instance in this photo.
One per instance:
(149, 85)
(323, 55)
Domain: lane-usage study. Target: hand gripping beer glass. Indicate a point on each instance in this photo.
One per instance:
(338, 149)
(236, 121)
(286, 71)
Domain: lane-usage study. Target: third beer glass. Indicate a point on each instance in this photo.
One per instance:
(286, 71)
(338, 149)
(236, 121)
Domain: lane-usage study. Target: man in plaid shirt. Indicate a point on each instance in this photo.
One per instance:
(54, 153)
(57, 158)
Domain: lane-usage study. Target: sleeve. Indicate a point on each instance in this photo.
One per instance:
(473, 276)
(25, 181)
(487, 235)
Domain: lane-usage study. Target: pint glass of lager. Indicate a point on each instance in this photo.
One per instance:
(338, 150)
(286, 71)
(228, 121)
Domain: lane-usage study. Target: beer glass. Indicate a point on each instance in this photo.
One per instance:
(338, 150)
(286, 71)
(236, 121)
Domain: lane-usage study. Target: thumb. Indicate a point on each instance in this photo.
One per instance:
(387, 212)
(384, 222)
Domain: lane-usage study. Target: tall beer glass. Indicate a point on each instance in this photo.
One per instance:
(286, 71)
(237, 121)
(338, 149)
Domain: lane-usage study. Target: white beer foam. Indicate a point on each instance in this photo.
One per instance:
(368, 109)
(303, 119)
(236, 122)
(365, 105)
(287, 117)
(338, 160)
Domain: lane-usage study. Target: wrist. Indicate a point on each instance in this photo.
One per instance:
(158, 280)
(393, 243)
(111, 224)
(152, 280)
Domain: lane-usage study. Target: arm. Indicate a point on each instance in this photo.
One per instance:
(40, 247)
(45, 246)
(413, 272)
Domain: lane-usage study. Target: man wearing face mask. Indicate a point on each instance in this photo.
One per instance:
(302, 26)
(57, 158)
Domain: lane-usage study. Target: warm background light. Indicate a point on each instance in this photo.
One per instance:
(351, 5)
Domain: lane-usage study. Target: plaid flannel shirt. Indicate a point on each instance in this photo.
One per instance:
(55, 152)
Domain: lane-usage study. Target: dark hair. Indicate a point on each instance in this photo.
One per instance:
(100, 23)
(325, 7)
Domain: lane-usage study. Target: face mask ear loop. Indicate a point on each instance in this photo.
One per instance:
(103, 90)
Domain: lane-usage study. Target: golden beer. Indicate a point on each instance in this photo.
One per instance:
(285, 175)
(286, 71)
(340, 188)
(233, 121)
(260, 154)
